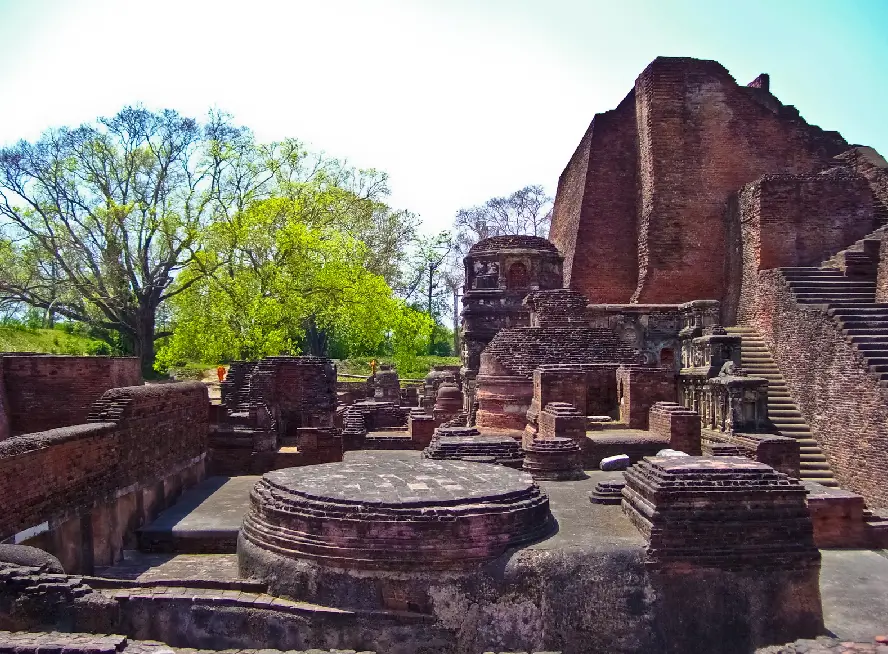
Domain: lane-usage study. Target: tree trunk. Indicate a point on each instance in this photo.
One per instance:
(316, 339)
(143, 341)
(456, 321)
(431, 292)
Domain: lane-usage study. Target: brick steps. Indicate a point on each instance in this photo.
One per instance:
(783, 412)
(860, 246)
(851, 302)
(826, 286)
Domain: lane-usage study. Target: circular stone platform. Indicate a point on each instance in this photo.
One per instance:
(400, 515)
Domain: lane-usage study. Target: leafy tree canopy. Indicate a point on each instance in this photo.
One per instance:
(274, 272)
(107, 222)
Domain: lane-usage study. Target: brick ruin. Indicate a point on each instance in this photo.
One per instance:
(45, 391)
(714, 284)
(499, 273)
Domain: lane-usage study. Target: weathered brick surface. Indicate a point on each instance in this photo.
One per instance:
(638, 389)
(656, 210)
(803, 219)
(596, 211)
(48, 391)
(553, 459)
(763, 521)
(679, 425)
(837, 516)
(396, 515)
(137, 435)
(653, 329)
(882, 275)
(299, 391)
(793, 220)
(779, 452)
(4, 410)
(869, 163)
(494, 294)
(841, 401)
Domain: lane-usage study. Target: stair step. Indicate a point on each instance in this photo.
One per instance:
(825, 298)
(817, 474)
(810, 466)
(860, 309)
(801, 271)
(866, 331)
(812, 458)
(870, 338)
(830, 285)
(879, 349)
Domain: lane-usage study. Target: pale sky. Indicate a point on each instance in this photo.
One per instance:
(457, 100)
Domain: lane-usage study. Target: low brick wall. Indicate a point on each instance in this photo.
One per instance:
(80, 491)
(49, 391)
(843, 404)
(680, 426)
(638, 389)
(4, 411)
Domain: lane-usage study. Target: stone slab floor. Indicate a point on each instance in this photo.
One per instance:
(853, 583)
(213, 509)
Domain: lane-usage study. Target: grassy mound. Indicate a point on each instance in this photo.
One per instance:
(48, 341)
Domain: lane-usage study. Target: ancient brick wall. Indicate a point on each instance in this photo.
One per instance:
(789, 220)
(137, 437)
(638, 389)
(680, 426)
(644, 196)
(843, 404)
(701, 137)
(299, 391)
(882, 274)
(4, 411)
(802, 220)
(594, 218)
(49, 391)
(869, 163)
(568, 206)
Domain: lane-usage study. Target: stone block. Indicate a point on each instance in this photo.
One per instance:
(679, 425)
(618, 462)
(562, 419)
(638, 389)
(420, 427)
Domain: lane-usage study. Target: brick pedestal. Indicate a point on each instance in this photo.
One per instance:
(680, 426)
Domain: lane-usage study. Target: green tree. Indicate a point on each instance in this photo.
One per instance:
(100, 221)
(106, 214)
(267, 278)
(430, 285)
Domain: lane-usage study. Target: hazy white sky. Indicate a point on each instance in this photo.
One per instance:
(457, 100)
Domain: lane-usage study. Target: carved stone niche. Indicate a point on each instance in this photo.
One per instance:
(736, 403)
(706, 355)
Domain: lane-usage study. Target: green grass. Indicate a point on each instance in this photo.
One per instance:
(419, 369)
(46, 341)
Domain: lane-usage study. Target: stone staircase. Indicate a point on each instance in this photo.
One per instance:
(828, 286)
(864, 250)
(782, 410)
(851, 303)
